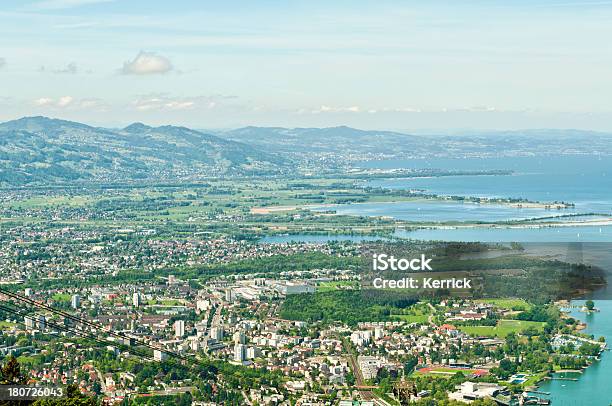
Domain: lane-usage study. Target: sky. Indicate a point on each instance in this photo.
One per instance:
(426, 65)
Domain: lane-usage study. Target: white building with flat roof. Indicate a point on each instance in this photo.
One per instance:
(75, 301)
(179, 328)
(469, 391)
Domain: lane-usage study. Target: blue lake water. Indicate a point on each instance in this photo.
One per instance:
(498, 234)
(584, 180)
(443, 211)
(580, 179)
(593, 386)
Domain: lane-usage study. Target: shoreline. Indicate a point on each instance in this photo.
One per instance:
(585, 223)
(425, 199)
(561, 304)
(466, 200)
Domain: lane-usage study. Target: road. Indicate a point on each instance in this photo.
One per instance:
(359, 381)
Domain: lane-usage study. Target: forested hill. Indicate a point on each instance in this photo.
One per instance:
(40, 150)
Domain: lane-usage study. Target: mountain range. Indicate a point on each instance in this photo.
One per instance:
(346, 140)
(36, 150)
(41, 150)
(324, 140)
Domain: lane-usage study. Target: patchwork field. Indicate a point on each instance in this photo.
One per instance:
(510, 304)
(448, 372)
(502, 329)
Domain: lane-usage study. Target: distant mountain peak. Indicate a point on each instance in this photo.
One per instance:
(36, 123)
(137, 128)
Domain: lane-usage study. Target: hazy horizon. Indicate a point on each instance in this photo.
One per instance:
(437, 65)
(410, 131)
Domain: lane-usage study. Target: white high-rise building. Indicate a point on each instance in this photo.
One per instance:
(253, 352)
(136, 301)
(179, 328)
(378, 333)
(29, 322)
(239, 352)
(75, 301)
(239, 337)
(159, 355)
(216, 333)
(229, 295)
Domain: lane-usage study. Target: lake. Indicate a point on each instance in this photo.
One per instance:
(500, 234)
(581, 179)
(592, 387)
(443, 211)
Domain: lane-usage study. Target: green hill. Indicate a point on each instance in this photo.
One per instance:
(35, 150)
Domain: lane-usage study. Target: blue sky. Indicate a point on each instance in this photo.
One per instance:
(371, 64)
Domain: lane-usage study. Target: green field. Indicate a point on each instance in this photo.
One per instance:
(502, 329)
(6, 325)
(61, 297)
(510, 304)
(165, 302)
(444, 372)
(411, 318)
(334, 285)
(416, 314)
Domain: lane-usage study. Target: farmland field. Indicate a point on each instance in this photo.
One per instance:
(510, 304)
(502, 329)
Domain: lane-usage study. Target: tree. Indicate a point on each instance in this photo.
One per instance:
(410, 364)
(97, 388)
(590, 305)
(10, 374)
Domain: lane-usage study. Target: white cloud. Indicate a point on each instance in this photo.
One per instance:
(330, 109)
(395, 110)
(147, 63)
(481, 108)
(69, 102)
(43, 101)
(157, 102)
(374, 110)
(92, 103)
(64, 101)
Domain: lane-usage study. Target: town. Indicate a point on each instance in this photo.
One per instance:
(135, 340)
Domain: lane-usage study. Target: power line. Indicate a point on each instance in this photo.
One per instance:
(133, 351)
(99, 327)
(80, 320)
(68, 330)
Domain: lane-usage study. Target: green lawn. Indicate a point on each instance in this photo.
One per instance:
(411, 318)
(61, 297)
(165, 302)
(502, 329)
(333, 285)
(5, 325)
(415, 314)
(443, 372)
(509, 304)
